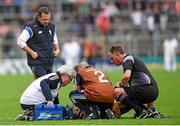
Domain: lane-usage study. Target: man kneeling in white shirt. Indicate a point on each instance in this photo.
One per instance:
(44, 90)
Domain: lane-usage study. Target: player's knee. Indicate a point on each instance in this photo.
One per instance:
(119, 91)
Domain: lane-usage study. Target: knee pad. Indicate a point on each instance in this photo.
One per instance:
(121, 97)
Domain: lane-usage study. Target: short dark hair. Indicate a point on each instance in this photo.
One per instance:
(115, 49)
(44, 10)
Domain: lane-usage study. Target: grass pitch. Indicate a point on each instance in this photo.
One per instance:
(11, 88)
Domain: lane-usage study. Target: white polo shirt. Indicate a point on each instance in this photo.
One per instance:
(33, 94)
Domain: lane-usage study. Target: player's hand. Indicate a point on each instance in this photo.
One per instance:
(50, 103)
(56, 52)
(34, 55)
(121, 85)
(117, 85)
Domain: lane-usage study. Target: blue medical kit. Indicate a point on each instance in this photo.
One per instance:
(48, 112)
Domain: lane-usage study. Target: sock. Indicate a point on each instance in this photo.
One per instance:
(125, 109)
(153, 109)
(83, 108)
(126, 101)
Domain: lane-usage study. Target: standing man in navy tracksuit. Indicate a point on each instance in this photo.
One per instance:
(39, 41)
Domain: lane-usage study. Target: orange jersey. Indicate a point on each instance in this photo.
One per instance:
(97, 86)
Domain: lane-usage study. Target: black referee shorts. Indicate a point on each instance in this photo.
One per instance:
(142, 93)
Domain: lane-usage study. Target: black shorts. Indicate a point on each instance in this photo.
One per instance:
(79, 97)
(142, 93)
(27, 107)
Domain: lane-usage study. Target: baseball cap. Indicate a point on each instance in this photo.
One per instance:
(64, 69)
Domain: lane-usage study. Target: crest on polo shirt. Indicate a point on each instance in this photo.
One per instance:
(39, 32)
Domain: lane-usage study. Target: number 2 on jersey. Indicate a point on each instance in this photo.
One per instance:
(101, 76)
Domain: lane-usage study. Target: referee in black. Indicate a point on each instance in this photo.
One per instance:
(137, 86)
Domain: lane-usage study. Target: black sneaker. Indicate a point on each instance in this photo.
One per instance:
(20, 118)
(110, 114)
(90, 116)
(26, 115)
(23, 118)
(158, 115)
(96, 112)
(150, 113)
(143, 114)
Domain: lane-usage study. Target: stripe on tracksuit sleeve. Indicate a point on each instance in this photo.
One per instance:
(29, 30)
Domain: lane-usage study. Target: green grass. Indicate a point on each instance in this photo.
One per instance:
(11, 88)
